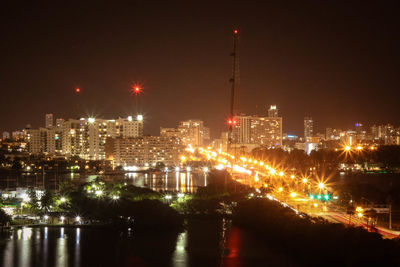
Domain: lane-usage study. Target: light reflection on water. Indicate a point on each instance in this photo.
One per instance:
(185, 182)
(203, 243)
(62, 250)
(180, 254)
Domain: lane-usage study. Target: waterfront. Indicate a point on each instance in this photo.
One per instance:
(205, 242)
(186, 182)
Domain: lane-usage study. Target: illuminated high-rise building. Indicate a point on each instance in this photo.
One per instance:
(259, 130)
(145, 151)
(308, 129)
(43, 141)
(273, 112)
(267, 131)
(242, 129)
(87, 137)
(191, 132)
(59, 123)
(49, 121)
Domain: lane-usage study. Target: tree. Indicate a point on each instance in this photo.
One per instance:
(4, 217)
(47, 200)
(33, 202)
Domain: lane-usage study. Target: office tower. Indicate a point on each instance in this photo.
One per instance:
(308, 129)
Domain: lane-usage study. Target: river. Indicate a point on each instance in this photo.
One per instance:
(204, 242)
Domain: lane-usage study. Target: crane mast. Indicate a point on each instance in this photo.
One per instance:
(231, 121)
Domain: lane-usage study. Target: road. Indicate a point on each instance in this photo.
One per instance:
(287, 189)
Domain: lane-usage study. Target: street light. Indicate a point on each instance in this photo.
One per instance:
(98, 193)
(321, 185)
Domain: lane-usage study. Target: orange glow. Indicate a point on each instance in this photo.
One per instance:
(77, 90)
(235, 31)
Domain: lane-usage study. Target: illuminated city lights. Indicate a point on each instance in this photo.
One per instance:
(321, 185)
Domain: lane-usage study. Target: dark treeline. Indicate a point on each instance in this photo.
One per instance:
(214, 199)
(387, 157)
(314, 241)
(136, 207)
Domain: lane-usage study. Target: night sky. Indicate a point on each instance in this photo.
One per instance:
(337, 62)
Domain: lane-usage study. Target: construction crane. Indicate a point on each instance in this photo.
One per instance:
(234, 79)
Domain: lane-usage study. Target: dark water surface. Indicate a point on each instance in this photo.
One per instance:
(203, 243)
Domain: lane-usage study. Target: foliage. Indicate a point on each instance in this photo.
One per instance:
(47, 200)
(315, 241)
(4, 217)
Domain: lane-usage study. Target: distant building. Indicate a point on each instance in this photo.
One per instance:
(308, 129)
(86, 138)
(191, 132)
(273, 112)
(6, 135)
(144, 151)
(242, 133)
(18, 135)
(59, 122)
(258, 130)
(43, 141)
(49, 121)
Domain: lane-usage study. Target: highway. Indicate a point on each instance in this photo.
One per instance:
(287, 188)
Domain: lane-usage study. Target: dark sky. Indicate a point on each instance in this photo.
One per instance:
(337, 61)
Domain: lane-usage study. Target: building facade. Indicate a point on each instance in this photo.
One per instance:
(191, 132)
(145, 151)
(260, 130)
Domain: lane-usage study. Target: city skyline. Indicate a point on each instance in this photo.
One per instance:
(344, 55)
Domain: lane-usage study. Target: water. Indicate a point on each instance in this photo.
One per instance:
(203, 243)
(171, 181)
